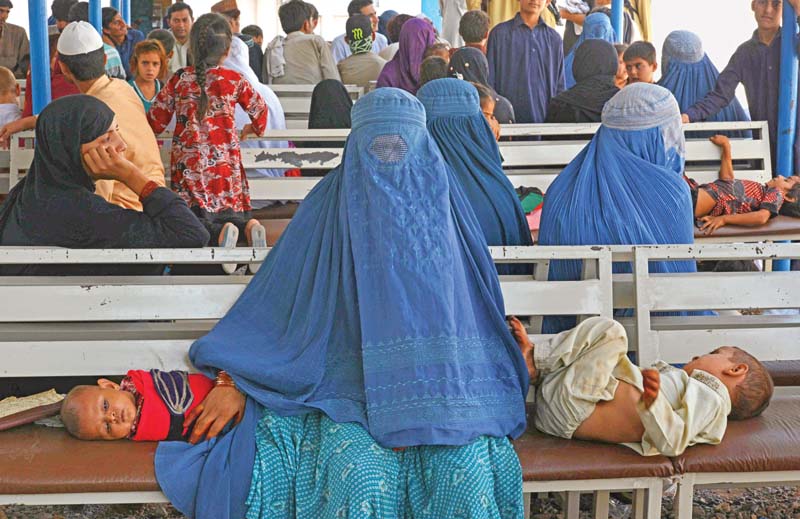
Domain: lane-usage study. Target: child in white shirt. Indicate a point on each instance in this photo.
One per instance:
(10, 110)
(588, 389)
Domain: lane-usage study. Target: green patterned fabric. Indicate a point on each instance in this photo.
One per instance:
(309, 467)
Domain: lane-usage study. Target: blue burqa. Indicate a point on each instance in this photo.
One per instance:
(687, 72)
(596, 26)
(468, 145)
(379, 305)
(625, 188)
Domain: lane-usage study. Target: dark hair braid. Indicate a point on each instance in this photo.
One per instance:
(210, 40)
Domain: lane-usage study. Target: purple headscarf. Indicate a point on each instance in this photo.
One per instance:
(403, 71)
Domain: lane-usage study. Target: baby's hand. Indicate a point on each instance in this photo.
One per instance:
(721, 141)
(525, 345)
(652, 385)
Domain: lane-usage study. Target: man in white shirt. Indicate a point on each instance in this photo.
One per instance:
(180, 18)
(341, 49)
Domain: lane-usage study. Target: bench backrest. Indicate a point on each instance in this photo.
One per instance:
(678, 339)
(86, 326)
(529, 163)
(296, 102)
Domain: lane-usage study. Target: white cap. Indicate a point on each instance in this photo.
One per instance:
(79, 38)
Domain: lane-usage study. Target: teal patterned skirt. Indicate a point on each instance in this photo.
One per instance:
(309, 467)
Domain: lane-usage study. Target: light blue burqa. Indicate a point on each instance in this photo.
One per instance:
(379, 306)
(596, 26)
(625, 188)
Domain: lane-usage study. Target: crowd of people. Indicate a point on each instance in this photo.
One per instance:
(329, 396)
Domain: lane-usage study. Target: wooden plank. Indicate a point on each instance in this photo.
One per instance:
(61, 256)
(554, 297)
(679, 346)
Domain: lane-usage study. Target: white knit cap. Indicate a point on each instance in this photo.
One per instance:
(79, 38)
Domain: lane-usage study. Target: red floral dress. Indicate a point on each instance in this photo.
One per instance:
(206, 162)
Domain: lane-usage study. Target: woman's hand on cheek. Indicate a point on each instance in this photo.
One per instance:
(105, 163)
(221, 405)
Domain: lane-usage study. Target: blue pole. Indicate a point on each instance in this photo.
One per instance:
(40, 54)
(126, 11)
(117, 4)
(431, 9)
(618, 19)
(787, 104)
(96, 15)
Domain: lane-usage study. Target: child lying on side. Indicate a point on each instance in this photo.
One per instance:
(145, 406)
(588, 389)
(728, 201)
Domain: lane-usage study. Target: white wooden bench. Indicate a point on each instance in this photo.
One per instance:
(296, 101)
(69, 326)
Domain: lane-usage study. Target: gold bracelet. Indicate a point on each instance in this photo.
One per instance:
(223, 379)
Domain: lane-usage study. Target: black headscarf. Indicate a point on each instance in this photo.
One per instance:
(470, 64)
(330, 106)
(594, 70)
(330, 110)
(55, 202)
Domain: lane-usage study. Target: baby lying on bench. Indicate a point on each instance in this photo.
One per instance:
(588, 389)
(145, 406)
(728, 201)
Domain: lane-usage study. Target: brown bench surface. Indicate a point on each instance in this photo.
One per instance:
(779, 225)
(769, 442)
(43, 460)
(784, 372)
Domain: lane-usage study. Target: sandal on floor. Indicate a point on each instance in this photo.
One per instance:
(230, 236)
(258, 236)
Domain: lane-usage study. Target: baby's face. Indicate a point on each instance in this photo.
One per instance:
(105, 413)
(714, 363)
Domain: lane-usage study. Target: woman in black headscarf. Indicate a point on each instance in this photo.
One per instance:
(77, 142)
(330, 110)
(470, 64)
(594, 69)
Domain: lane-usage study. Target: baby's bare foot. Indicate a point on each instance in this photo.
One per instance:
(525, 345)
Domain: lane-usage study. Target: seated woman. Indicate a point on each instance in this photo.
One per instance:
(470, 64)
(625, 188)
(358, 404)
(688, 72)
(594, 69)
(597, 26)
(403, 70)
(469, 148)
(77, 142)
(330, 110)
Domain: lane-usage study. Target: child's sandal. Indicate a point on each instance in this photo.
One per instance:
(228, 240)
(258, 237)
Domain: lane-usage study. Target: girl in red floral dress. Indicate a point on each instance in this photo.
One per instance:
(206, 163)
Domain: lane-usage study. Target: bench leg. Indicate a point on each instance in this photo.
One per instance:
(600, 506)
(684, 497)
(654, 495)
(638, 505)
(526, 503)
(572, 505)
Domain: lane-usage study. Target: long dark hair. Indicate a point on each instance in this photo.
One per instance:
(209, 41)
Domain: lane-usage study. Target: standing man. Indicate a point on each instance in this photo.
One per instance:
(15, 52)
(756, 64)
(116, 33)
(526, 61)
(340, 47)
(230, 11)
(452, 11)
(180, 19)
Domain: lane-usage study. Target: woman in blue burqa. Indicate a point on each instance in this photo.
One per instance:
(380, 377)
(688, 72)
(468, 145)
(596, 26)
(625, 188)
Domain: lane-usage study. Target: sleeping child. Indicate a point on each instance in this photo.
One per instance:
(145, 406)
(728, 201)
(588, 389)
